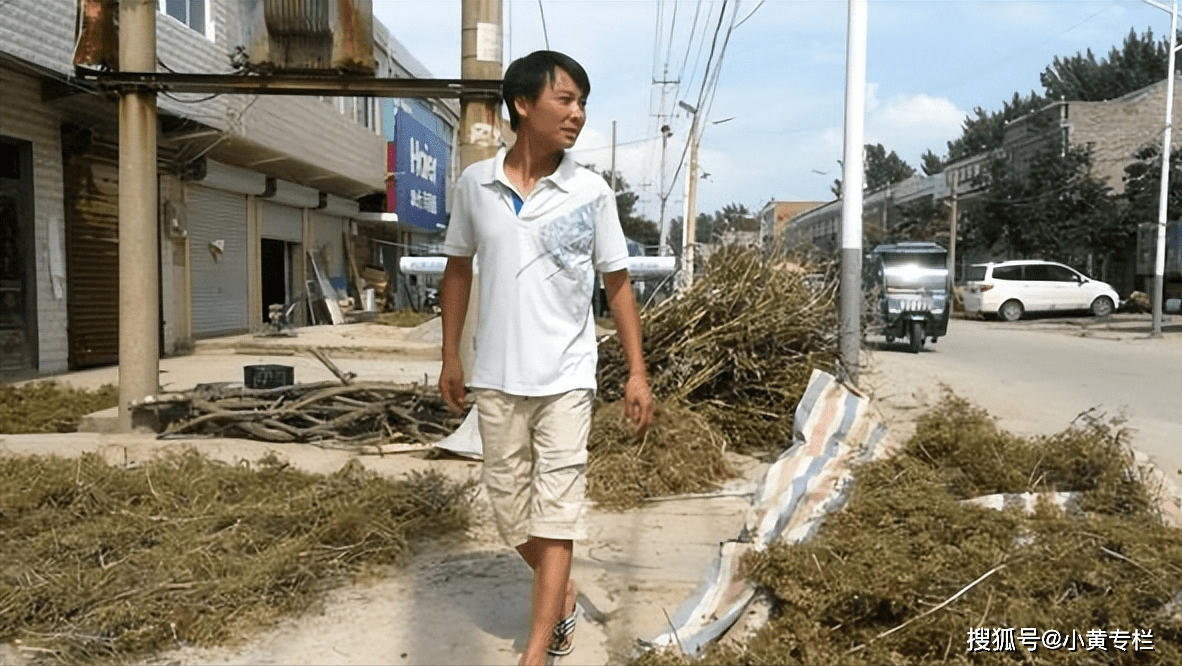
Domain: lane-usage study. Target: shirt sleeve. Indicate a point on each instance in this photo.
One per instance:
(610, 253)
(460, 239)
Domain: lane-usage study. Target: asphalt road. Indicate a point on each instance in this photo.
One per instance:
(1037, 376)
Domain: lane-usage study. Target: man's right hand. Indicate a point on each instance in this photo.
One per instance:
(451, 385)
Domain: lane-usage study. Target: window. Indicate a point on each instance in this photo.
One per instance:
(1038, 273)
(1061, 274)
(192, 13)
(1007, 273)
(975, 273)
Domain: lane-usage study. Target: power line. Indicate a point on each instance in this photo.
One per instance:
(545, 34)
(701, 91)
(750, 14)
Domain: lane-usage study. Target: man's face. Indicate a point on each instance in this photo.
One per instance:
(557, 117)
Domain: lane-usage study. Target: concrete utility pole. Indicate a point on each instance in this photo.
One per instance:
(480, 58)
(1160, 263)
(851, 190)
(139, 275)
(689, 225)
(952, 223)
(480, 122)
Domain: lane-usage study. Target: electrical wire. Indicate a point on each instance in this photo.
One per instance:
(750, 14)
(545, 34)
(701, 94)
(189, 101)
(689, 44)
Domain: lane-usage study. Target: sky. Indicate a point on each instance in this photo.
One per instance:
(773, 116)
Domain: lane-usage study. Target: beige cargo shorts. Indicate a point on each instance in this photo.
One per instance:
(535, 462)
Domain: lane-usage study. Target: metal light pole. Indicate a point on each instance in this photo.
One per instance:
(664, 225)
(851, 190)
(1159, 268)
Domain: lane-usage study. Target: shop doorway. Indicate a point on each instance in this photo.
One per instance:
(18, 305)
(278, 278)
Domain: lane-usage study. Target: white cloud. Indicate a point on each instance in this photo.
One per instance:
(912, 124)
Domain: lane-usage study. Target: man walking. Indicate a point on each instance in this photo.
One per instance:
(542, 226)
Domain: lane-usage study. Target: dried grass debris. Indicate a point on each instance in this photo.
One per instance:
(48, 406)
(681, 453)
(907, 568)
(104, 564)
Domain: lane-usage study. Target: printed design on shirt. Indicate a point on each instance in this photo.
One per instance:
(564, 244)
(568, 239)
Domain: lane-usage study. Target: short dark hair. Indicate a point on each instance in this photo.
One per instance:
(529, 75)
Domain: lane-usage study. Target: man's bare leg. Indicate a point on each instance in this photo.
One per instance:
(553, 592)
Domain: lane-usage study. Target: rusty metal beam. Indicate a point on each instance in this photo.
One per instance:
(293, 84)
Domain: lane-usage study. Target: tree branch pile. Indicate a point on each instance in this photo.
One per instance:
(738, 347)
(355, 416)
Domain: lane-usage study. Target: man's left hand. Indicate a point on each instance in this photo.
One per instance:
(638, 403)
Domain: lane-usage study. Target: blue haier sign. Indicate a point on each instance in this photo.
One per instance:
(420, 174)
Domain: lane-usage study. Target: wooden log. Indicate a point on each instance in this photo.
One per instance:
(345, 377)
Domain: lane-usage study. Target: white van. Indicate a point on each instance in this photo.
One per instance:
(1011, 288)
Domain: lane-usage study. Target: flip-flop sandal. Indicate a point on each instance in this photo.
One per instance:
(562, 642)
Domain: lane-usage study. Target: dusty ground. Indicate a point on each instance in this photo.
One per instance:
(463, 603)
(460, 603)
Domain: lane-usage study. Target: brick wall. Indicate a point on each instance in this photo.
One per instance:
(1116, 129)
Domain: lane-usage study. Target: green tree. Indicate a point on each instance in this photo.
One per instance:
(931, 163)
(921, 220)
(734, 217)
(703, 232)
(636, 226)
(884, 168)
(1143, 186)
(987, 130)
(1054, 209)
(1141, 61)
(879, 169)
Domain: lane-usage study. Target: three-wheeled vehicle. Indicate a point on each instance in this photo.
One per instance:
(912, 291)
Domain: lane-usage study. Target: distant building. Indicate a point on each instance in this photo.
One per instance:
(1114, 130)
(774, 217)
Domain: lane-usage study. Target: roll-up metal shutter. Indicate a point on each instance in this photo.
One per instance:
(92, 260)
(220, 282)
(283, 222)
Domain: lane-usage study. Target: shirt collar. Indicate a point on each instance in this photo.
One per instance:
(561, 178)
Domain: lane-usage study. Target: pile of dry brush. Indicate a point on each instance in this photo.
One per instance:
(728, 360)
(104, 564)
(738, 347)
(907, 568)
(328, 414)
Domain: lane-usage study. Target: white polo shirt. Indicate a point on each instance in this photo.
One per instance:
(536, 332)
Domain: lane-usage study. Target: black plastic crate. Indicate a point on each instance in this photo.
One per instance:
(268, 376)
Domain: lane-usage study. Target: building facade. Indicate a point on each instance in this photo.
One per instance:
(258, 194)
(1113, 130)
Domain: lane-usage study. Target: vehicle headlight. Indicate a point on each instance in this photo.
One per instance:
(893, 306)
